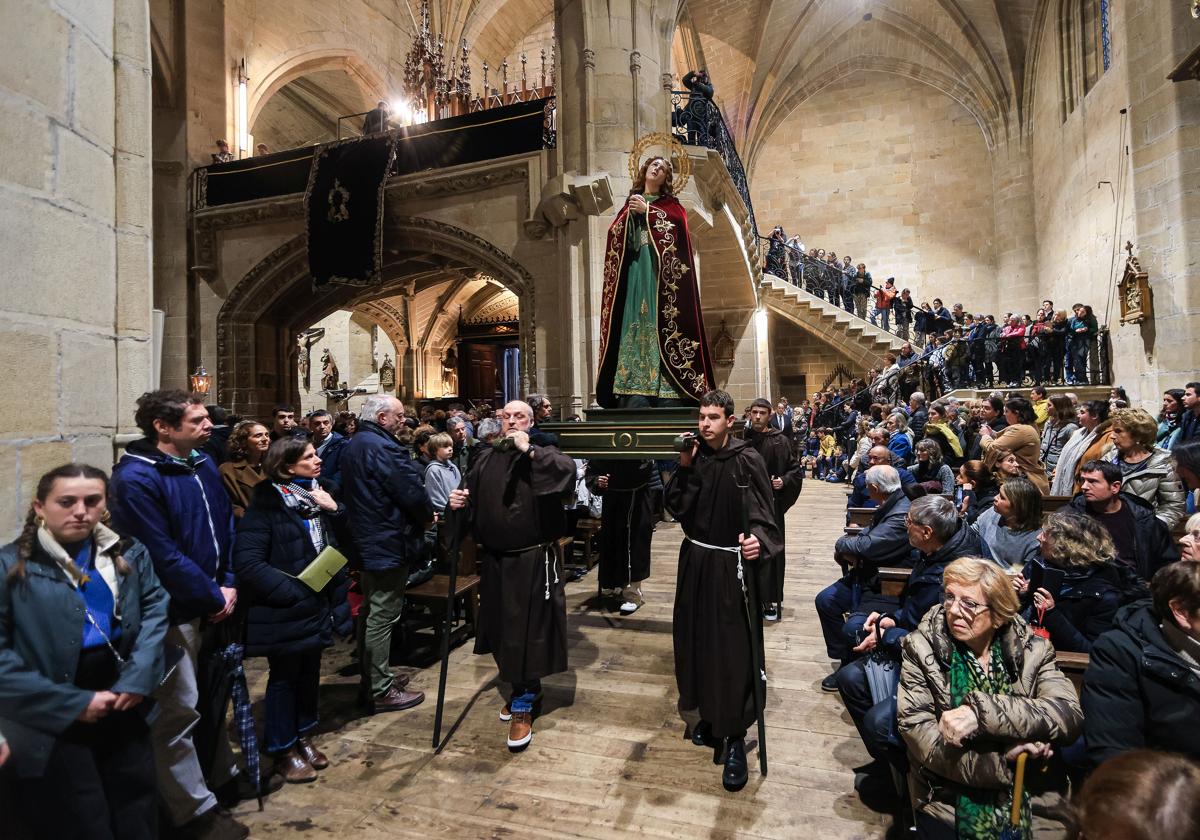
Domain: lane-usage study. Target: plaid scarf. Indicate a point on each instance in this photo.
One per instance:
(300, 500)
(983, 814)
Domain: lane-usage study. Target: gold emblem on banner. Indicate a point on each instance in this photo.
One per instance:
(672, 149)
(339, 203)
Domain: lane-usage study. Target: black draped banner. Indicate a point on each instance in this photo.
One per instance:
(344, 207)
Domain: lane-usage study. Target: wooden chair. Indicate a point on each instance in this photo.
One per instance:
(433, 593)
(587, 532)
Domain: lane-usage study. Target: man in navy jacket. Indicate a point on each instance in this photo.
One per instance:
(170, 497)
(388, 513)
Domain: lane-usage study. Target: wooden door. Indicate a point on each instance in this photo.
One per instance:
(479, 379)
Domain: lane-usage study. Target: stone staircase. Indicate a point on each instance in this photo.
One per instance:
(855, 337)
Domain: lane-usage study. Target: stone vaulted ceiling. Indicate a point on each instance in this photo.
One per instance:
(768, 56)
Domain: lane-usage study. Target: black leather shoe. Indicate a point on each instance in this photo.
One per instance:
(240, 788)
(702, 735)
(830, 683)
(735, 775)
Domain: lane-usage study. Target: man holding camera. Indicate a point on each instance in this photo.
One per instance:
(720, 491)
(514, 504)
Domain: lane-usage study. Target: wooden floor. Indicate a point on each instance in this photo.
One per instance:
(607, 759)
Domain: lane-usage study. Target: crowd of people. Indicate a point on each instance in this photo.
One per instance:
(1024, 527)
(957, 348)
(120, 591)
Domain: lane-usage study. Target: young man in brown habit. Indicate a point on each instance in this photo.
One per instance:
(515, 490)
(786, 480)
(720, 483)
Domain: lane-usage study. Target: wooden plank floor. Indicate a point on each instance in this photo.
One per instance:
(607, 759)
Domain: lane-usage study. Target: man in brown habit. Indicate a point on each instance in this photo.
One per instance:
(720, 480)
(786, 480)
(515, 494)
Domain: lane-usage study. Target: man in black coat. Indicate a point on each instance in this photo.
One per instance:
(1142, 687)
(883, 543)
(937, 536)
(1143, 542)
(786, 481)
(388, 512)
(376, 119)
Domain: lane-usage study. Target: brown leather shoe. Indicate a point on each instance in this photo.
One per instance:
(311, 754)
(294, 768)
(520, 731)
(395, 700)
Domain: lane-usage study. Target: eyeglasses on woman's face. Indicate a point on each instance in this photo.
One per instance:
(965, 606)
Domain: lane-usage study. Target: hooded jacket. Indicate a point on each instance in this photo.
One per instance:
(386, 505)
(1138, 691)
(1042, 706)
(1153, 542)
(923, 589)
(1087, 605)
(181, 513)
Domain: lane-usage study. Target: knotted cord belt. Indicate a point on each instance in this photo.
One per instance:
(732, 549)
(547, 561)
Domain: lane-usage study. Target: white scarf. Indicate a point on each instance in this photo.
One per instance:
(1064, 470)
(105, 539)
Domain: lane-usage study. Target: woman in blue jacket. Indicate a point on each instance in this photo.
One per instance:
(82, 622)
(287, 524)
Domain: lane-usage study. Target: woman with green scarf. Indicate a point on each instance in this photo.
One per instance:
(939, 431)
(977, 689)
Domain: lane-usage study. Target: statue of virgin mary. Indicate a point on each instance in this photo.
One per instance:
(653, 348)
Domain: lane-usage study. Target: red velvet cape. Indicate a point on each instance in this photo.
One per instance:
(682, 341)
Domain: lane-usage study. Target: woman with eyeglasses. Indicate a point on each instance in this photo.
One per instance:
(978, 688)
(82, 623)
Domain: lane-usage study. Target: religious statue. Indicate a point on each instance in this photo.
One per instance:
(302, 362)
(449, 362)
(387, 374)
(329, 371)
(653, 348)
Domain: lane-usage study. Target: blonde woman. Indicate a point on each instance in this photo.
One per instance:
(1147, 471)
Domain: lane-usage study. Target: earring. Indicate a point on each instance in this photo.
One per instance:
(39, 521)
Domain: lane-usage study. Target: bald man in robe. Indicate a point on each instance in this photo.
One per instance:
(514, 501)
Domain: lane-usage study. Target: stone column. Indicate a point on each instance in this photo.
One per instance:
(1016, 235)
(612, 56)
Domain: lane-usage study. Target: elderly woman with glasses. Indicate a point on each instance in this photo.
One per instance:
(978, 688)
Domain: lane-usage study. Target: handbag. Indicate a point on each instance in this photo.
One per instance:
(883, 672)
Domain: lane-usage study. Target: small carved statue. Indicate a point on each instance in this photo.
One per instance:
(329, 371)
(449, 362)
(387, 374)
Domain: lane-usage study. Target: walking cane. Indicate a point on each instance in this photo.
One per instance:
(757, 653)
(450, 521)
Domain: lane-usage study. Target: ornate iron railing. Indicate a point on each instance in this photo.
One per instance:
(697, 121)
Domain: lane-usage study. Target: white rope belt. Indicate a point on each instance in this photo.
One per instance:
(547, 561)
(732, 549)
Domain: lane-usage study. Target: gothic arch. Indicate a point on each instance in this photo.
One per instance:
(258, 321)
(302, 61)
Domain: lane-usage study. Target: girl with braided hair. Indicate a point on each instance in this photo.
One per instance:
(82, 623)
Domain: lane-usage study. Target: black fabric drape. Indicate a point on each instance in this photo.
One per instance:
(344, 208)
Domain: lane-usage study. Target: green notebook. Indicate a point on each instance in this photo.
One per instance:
(320, 571)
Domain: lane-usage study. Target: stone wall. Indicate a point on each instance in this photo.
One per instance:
(892, 172)
(797, 353)
(1150, 157)
(74, 235)
(348, 339)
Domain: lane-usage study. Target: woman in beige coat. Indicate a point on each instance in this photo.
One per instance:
(248, 443)
(977, 688)
(1021, 438)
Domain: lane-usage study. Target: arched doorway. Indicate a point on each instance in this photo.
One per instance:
(258, 324)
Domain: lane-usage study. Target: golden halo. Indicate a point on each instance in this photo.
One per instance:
(681, 164)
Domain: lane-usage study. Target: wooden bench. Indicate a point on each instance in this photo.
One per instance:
(585, 544)
(433, 593)
(859, 516)
(1073, 665)
(1052, 503)
(892, 580)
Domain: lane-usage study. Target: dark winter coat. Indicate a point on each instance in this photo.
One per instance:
(885, 541)
(1087, 605)
(273, 546)
(183, 516)
(385, 499)
(1155, 547)
(923, 589)
(41, 629)
(331, 457)
(1138, 691)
